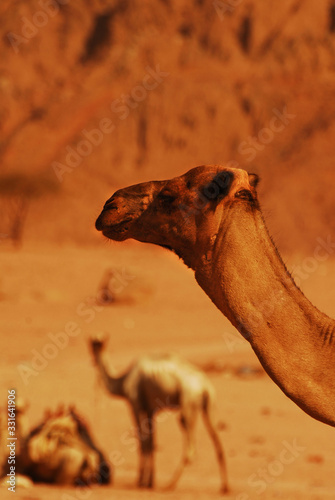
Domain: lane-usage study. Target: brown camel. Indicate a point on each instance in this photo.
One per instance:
(59, 451)
(154, 383)
(211, 218)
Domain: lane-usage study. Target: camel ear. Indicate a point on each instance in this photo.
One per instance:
(253, 180)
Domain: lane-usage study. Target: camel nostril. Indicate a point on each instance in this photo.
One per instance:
(110, 204)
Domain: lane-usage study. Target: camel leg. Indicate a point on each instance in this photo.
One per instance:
(138, 420)
(145, 434)
(142, 463)
(209, 423)
(187, 420)
(149, 431)
(141, 470)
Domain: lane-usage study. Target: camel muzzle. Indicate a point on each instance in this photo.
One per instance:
(98, 223)
(113, 224)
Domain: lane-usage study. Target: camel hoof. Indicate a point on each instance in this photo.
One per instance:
(145, 486)
(169, 487)
(224, 490)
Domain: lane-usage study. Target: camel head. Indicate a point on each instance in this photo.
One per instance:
(181, 212)
(97, 344)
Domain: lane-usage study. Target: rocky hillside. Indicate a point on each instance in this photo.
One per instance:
(97, 94)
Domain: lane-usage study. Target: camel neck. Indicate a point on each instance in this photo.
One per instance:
(247, 280)
(113, 384)
(247, 264)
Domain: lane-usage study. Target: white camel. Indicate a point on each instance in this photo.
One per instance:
(156, 382)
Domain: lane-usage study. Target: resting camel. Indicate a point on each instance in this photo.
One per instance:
(211, 218)
(59, 451)
(156, 382)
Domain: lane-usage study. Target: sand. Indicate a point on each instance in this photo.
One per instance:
(273, 449)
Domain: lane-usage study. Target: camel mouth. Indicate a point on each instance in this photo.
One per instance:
(167, 247)
(124, 208)
(119, 231)
(111, 226)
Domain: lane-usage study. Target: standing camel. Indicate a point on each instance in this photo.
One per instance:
(211, 218)
(156, 382)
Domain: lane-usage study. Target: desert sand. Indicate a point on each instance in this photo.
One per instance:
(273, 449)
